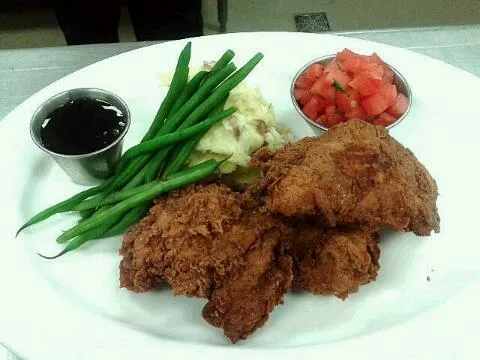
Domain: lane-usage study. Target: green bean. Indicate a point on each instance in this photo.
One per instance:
(126, 175)
(220, 105)
(95, 210)
(66, 205)
(130, 218)
(219, 94)
(223, 61)
(105, 230)
(203, 165)
(179, 81)
(187, 93)
(204, 108)
(181, 155)
(155, 163)
(112, 198)
(171, 125)
(168, 139)
(237, 77)
(92, 234)
(125, 193)
(203, 92)
(123, 206)
(183, 151)
(208, 105)
(221, 73)
(72, 245)
(85, 213)
(138, 179)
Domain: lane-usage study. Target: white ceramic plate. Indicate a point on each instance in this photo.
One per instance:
(73, 308)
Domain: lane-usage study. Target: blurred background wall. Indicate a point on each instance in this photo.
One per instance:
(31, 23)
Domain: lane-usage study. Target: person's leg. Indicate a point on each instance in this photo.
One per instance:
(88, 21)
(166, 19)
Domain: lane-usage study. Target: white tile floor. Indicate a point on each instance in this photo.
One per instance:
(40, 29)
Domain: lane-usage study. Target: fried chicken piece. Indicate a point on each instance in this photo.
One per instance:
(133, 274)
(211, 242)
(244, 301)
(332, 261)
(339, 263)
(355, 174)
(182, 242)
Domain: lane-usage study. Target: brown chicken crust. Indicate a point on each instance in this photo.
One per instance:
(312, 219)
(181, 241)
(356, 173)
(243, 303)
(211, 242)
(335, 262)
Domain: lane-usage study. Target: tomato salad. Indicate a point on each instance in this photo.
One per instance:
(350, 86)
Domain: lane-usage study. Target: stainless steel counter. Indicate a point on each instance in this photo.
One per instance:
(23, 72)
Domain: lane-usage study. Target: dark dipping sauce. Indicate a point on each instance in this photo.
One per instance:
(82, 126)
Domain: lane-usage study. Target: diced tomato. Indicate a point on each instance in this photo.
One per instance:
(352, 93)
(346, 54)
(352, 65)
(330, 98)
(374, 58)
(304, 82)
(302, 95)
(315, 71)
(330, 110)
(322, 120)
(299, 93)
(333, 117)
(332, 67)
(318, 86)
(371, 68)
(345, 103)
(375, 104)
(325, 90)
(384, 119)
(374, 70)
(318, 102)
(366, 84)
(368, 91)
(356, 113)
(311, 108)
(389, 93)
(342, 101)
(387, 75)
(321, 104)
(400, 106)
(339, 76)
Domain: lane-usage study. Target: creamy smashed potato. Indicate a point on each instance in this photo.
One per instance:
(252, 126)
(240, 135)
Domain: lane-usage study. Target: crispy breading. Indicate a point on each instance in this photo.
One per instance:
(311, 219)
(334, 261)
(182, 241)
(355, 174)
(244, 301)
(211, 242)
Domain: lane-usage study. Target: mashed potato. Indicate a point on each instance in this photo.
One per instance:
(252, 126)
